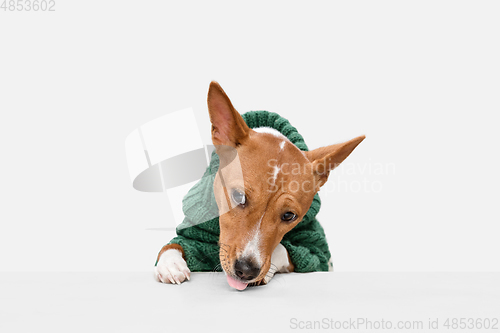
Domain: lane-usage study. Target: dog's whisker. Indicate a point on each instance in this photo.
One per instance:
(217, 267)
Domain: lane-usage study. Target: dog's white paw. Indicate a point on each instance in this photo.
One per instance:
(279, 264)
(172, 268)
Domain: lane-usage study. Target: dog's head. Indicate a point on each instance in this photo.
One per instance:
(264, 186)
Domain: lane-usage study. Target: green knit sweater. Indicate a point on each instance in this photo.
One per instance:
(305, 243)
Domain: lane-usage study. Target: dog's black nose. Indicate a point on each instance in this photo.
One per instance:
(246, 270)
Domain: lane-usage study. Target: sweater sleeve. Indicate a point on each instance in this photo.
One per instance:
(200, 245)
(200, 256)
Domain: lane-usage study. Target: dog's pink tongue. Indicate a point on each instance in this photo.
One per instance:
(235, 283)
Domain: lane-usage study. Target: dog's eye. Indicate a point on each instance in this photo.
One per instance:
(238, 197)
(288, 217)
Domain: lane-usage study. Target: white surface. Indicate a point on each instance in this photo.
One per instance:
(136, 159)
(134, 302)
(419, 78)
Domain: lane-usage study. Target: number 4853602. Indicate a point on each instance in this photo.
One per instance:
(28, 5)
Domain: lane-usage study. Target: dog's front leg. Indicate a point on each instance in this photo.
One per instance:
(171, 266)
(280, 263)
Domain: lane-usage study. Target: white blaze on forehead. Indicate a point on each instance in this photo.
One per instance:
(276, 170)
(282, 144)
(276, 134)
(269, 130)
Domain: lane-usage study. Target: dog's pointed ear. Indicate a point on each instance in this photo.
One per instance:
(326, 159)
(228, 127)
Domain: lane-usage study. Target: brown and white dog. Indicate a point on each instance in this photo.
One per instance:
(266, 215)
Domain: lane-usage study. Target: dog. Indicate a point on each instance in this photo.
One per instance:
(262, 197)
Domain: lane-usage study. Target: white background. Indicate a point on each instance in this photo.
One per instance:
(420, 79)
